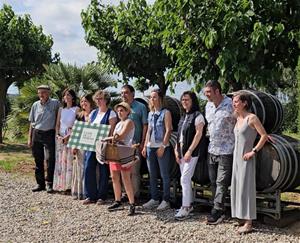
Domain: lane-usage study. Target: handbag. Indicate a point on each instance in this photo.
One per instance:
(115, 152)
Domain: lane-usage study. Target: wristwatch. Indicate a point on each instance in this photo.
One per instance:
(164, 146)
(254, 150)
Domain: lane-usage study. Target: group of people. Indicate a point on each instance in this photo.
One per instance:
(231, 128)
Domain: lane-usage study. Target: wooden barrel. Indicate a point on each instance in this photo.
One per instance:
(201, 171)
(268, 109)
(277, 165)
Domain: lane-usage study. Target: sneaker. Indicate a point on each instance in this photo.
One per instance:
(49, 188)
(100, 201)
(88, 201)
(151, 204)
(38, 188)
(163, 205)
(131, 209)
(216, 217)
(183, 213)
(117, 205)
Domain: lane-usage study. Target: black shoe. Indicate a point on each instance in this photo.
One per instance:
(216, 217)
(117, 205)
(38, 188)
(49, 188)
(131, 209)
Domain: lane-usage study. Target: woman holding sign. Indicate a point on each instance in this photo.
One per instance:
(87, 105)
(123, 133)
(64, 158)
(101, 115)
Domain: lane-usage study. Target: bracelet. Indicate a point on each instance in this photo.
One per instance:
(254, 150)
(191, 151)
(164, 146)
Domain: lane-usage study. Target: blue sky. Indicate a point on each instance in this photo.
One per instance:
(61, 19)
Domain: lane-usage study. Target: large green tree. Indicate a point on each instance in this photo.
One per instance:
(128, 39)
(245, 42)
(24, 49)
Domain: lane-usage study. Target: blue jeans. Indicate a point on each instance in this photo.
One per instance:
(156, 165)
(90, 179)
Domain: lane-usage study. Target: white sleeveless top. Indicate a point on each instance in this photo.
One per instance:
(129, 137)
(67, 118)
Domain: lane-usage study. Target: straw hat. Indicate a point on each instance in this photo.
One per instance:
(125, 105)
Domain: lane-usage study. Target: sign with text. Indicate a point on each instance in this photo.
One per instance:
(84, 135)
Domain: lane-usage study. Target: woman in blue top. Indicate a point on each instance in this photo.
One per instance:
(101, 115)
(157, 148)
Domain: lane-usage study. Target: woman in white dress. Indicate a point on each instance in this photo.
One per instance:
(64, 158)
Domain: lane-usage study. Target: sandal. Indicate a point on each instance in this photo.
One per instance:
(247, 228)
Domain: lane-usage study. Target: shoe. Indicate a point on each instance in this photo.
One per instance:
(38, 188)
(151, 204)
(245, 229)
(163, 205)
(216, 217)
(183, 213)
(100, 202)
(88, 201)
(49, 188)
(131, 209)
(117, 205)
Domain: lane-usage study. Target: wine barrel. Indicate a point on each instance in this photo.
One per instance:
(201, 171)
(277, 165)
(268, 109)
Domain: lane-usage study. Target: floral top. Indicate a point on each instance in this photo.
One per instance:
(221, 123)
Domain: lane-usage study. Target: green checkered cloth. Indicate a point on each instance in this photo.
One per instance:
(81, 128)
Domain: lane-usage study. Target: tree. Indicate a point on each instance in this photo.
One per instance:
(83, 80)
(127, 37)
(24, 49)
(245, 42)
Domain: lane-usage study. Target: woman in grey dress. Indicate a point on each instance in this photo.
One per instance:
(243, 188)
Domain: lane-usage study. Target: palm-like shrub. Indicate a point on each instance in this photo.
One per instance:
(85, 79)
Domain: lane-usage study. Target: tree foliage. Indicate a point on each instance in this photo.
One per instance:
(127, 37)
(245, 42)
(24, 49)
(83, 80)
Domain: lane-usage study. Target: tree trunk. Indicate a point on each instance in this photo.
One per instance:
(161, 81)
(3, 90)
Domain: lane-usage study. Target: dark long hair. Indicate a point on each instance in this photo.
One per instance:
(74, 97)
(195, 101)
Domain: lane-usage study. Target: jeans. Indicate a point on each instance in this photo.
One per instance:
(90, 179)
(219, 170)
(156, 165)
(43, 141)
(187, 170)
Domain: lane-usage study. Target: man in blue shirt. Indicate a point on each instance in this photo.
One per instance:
(139, 117)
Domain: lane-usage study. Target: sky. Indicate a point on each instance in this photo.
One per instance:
(61, 19)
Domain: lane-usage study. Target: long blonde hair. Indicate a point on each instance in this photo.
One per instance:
(161, 99)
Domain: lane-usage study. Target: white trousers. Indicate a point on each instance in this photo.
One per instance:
(187, 171)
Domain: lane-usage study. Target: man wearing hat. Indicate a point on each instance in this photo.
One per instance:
(41, 137)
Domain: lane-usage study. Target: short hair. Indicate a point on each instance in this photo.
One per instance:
(245, 98)
(72, 93)
(128, 86)
(105, 94)
(214, 84)
(195, 101)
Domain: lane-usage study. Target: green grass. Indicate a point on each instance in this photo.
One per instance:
(15, 157)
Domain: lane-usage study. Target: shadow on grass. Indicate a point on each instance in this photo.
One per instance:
(14, 148)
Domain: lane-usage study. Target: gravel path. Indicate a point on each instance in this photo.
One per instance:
(40, 217)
